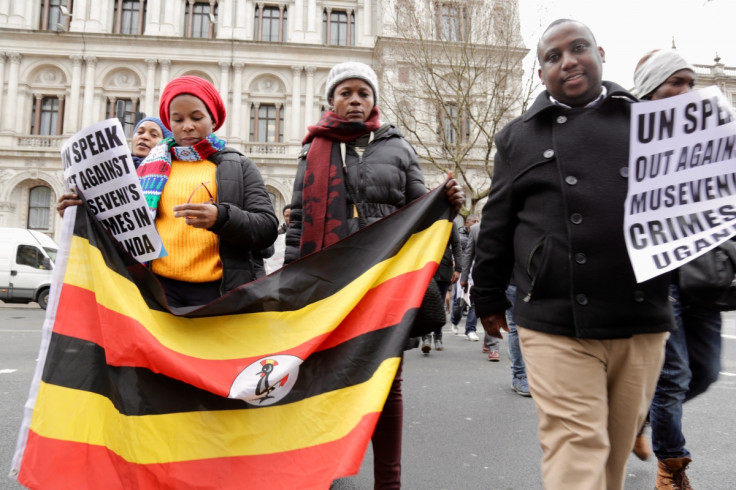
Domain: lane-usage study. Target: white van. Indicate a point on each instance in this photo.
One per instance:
(26, 263)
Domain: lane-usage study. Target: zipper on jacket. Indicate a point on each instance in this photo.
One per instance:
(528, 296)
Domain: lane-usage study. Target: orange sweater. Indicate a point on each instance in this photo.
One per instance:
(193, 252)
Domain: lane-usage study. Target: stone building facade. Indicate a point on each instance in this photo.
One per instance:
(65, 64)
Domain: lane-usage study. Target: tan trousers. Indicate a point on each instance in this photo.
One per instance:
(591, 398)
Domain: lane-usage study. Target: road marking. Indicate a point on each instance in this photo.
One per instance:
(731, 337)
(727, 374)
(7, 371)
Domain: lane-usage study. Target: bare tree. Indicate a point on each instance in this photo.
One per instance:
(451, 73)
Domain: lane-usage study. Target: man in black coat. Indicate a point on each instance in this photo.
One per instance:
(592, 337)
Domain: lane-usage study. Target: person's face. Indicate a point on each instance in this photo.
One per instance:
(353, 100)
(678, 83)
(189, 120)
(146, 137)
(287, 213)
(571, 64)
(470, 222)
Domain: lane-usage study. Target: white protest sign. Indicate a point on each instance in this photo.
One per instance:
(98, 163)
(681, 200)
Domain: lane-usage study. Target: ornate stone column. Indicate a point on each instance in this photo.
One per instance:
(10, 115)
(237, 101)
(36, 125)
(367, 19)
(148, 107)
(295, 101)
(349, 35)
(60, 116)
(72, 112)
(2, 79)
(78, 16)
(298, 15)
(313, 17)
(259, 25)
(309, 97)
(89, 91)
(224, 91)
(256, 108)
(165, 65)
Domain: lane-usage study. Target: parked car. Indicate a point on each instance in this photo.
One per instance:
(26, 264)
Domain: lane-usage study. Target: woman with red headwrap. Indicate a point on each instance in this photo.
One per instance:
(209, 201)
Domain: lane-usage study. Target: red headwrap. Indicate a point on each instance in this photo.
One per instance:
(198, 87)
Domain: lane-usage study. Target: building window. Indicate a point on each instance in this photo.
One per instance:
(266, 123)
(450, 124)
(452, 23)
(338, 27)
(46, 118)
(130, 16)
(55, 15)
(39, 206)
(200, 19)
(125, 111)
(270, 24)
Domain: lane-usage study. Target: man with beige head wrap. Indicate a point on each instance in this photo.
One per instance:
(693, 351)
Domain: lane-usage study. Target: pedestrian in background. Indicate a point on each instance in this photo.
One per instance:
(457, 302)
(693, 352)
(490, 344)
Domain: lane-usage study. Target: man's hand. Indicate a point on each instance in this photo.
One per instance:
(455, 277)
(493, 324)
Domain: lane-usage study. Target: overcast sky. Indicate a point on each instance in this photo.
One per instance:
(627, 29)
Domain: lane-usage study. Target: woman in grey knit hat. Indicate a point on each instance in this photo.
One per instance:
(368, 170)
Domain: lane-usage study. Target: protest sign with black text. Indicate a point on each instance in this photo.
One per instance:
(98, 163)
(681, 200)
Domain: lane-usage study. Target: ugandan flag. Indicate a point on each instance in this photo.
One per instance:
(277, 385)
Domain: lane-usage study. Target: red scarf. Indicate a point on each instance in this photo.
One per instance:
(324, 202)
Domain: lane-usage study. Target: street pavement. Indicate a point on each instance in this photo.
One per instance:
(464, 428)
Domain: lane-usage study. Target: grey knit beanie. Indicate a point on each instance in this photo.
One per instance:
(657, 69)
(351, 69)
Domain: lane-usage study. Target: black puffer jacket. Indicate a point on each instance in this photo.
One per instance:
(246, 220)
(385, 179)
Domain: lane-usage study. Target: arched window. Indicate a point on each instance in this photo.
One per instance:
(39, 206)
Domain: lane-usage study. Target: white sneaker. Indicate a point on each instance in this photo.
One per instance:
(472, 336)
(455, 329)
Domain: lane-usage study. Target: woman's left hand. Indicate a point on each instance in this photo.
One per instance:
(454, 192)
(198, 215)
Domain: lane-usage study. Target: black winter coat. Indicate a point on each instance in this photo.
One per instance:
(385, 179)
(554, 218)
(246, 220)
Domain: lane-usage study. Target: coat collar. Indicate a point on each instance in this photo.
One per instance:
(542, 102)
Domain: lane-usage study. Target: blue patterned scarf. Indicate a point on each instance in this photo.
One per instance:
(154, 171)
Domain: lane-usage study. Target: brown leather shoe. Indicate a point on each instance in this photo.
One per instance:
(641, 446)
(671, 474)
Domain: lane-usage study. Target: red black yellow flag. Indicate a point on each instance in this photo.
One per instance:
(276, 385)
